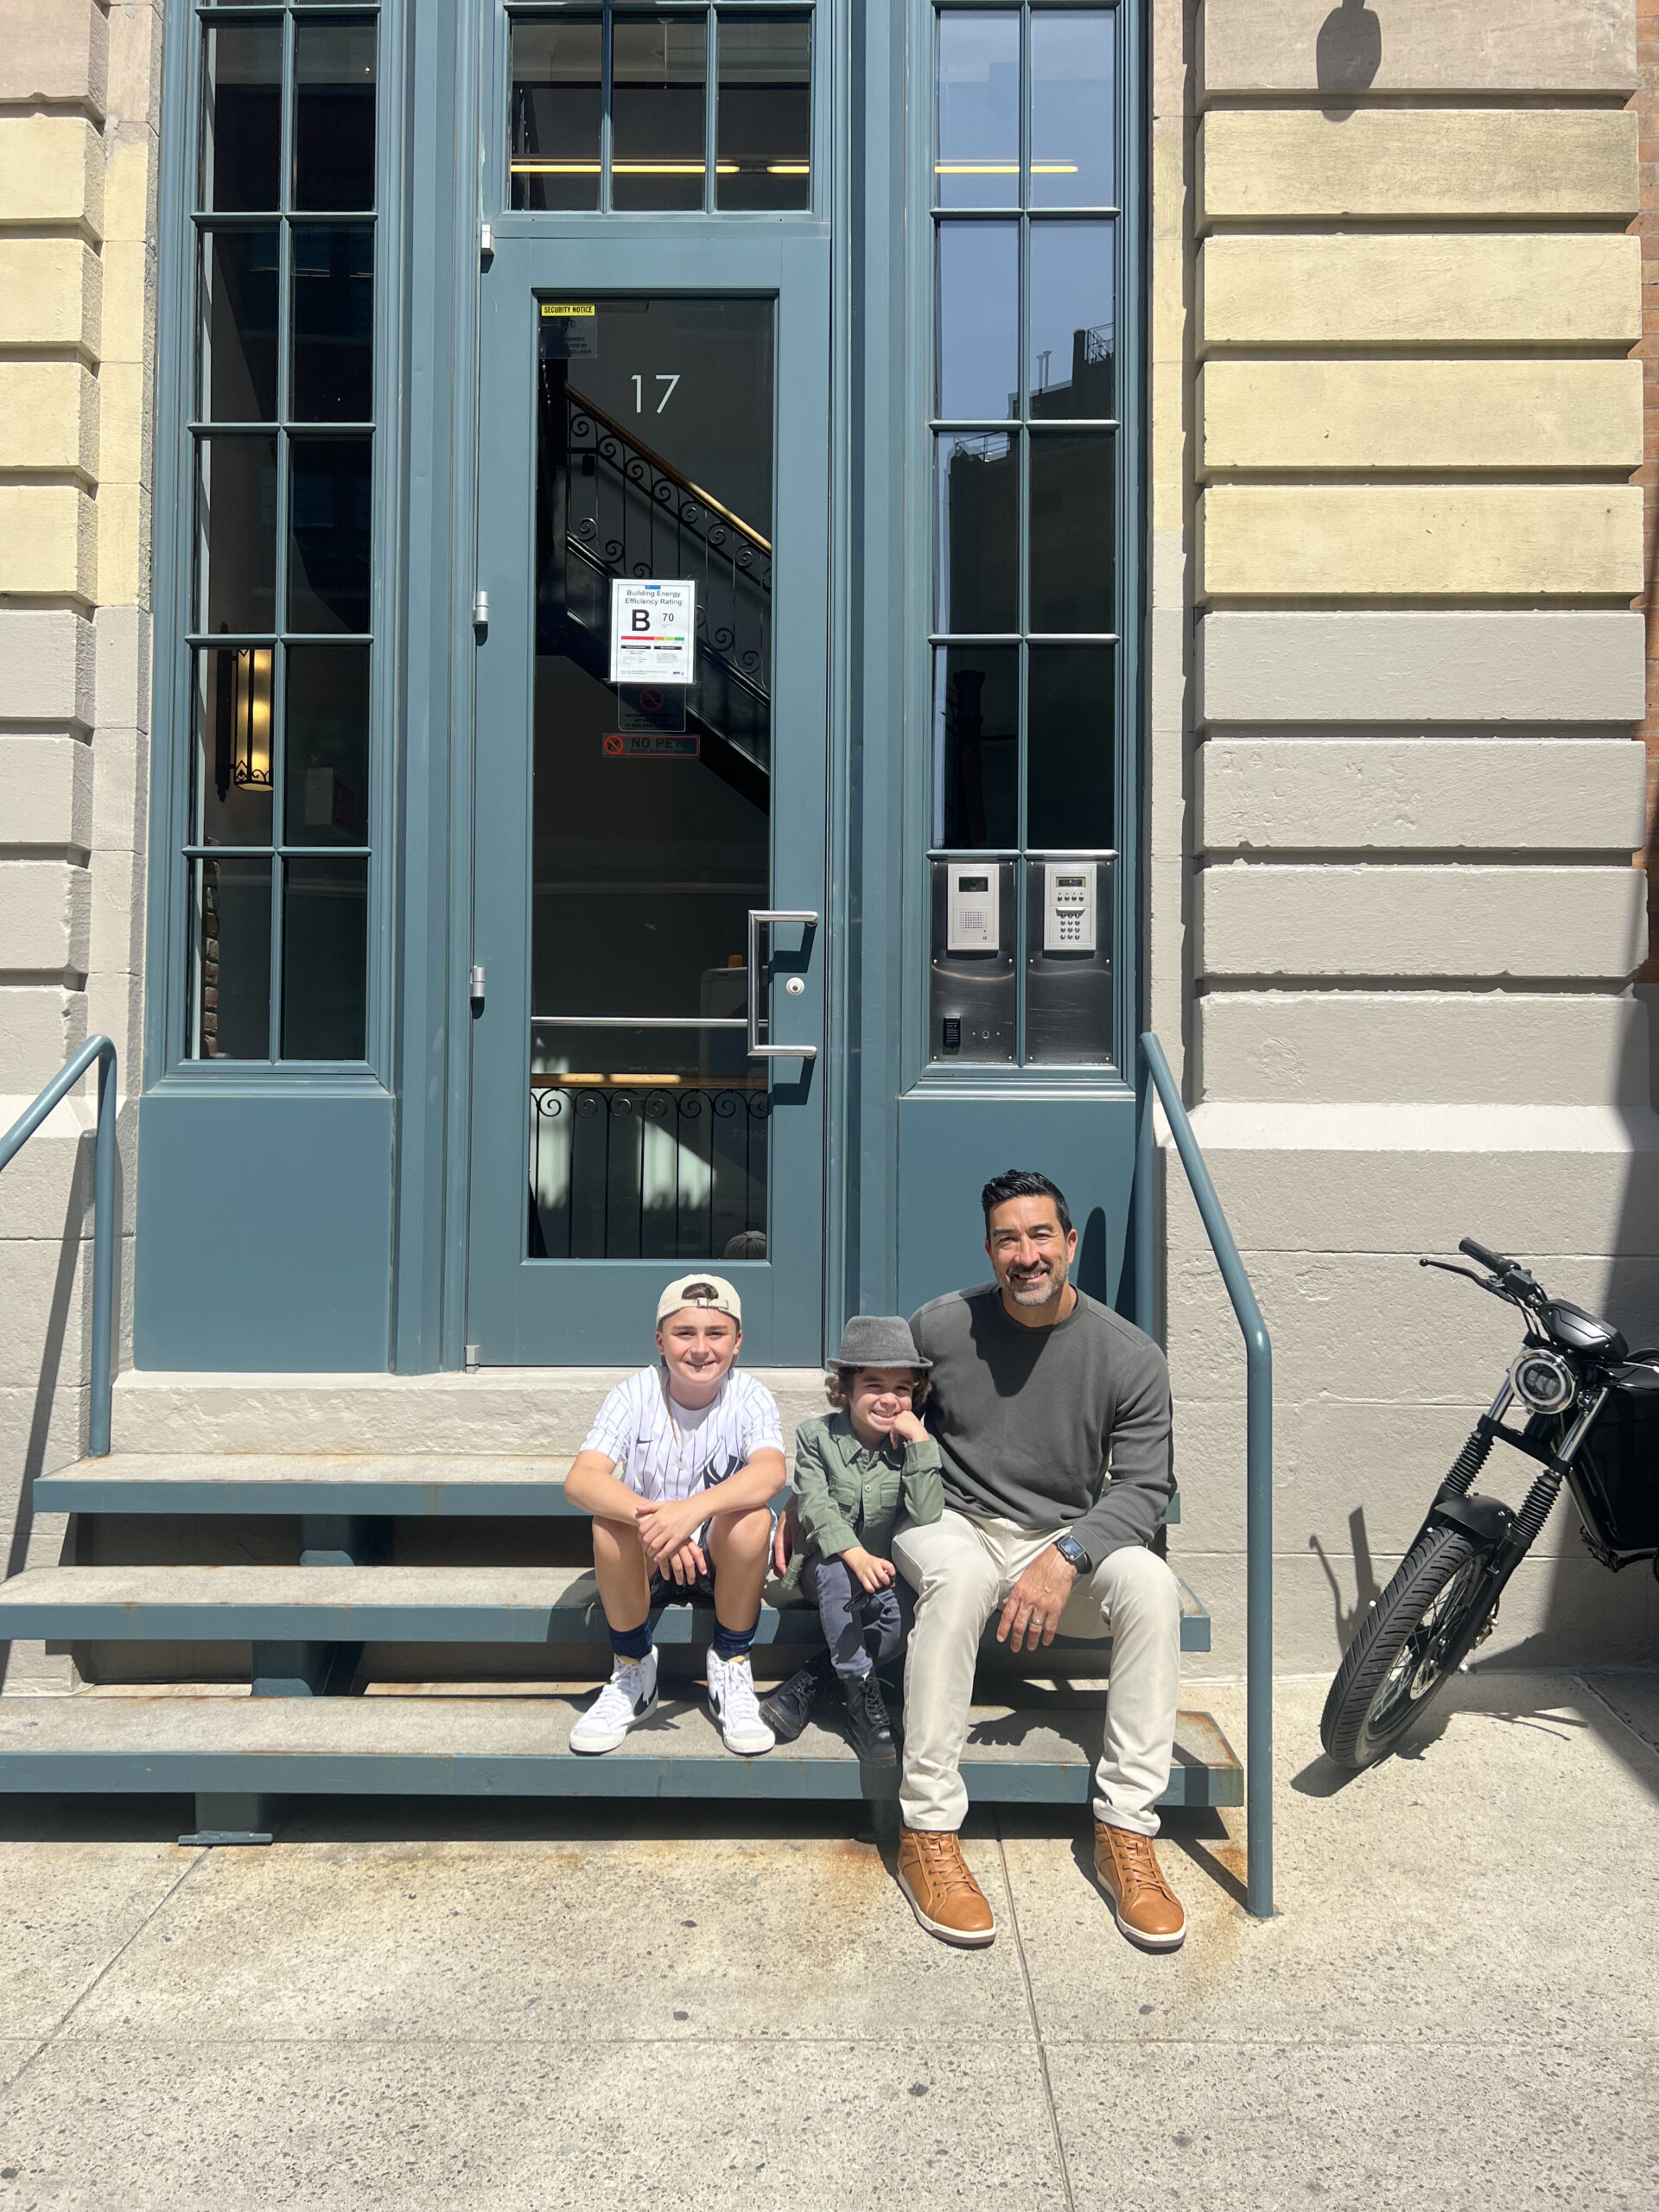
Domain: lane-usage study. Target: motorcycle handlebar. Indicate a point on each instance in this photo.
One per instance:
(1495, 1260)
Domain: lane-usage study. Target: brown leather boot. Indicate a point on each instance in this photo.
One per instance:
(1147, 1910)
(944, 1895)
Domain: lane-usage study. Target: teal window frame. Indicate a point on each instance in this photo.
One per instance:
(1129, 213)
(168, 1055)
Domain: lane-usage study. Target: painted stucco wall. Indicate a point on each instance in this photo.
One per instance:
(77, 119)
(1397, 679)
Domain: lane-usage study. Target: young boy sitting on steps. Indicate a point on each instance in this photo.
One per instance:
(856, 1470)
(678, 1473)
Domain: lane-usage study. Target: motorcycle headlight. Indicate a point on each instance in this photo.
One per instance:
(1543, 1381)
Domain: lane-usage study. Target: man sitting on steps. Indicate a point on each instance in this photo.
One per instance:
(1053, 1422)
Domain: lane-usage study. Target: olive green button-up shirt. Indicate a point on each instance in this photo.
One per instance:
(850, 1495)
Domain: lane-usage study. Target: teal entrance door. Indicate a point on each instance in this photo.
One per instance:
(649, 854)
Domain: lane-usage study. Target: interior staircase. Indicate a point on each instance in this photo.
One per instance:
(419, 1617)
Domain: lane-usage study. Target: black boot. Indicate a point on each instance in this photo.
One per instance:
(867, 1720)
(789, 1707)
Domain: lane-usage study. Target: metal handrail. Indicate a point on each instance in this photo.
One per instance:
(1258, 1451)
(102, 1050)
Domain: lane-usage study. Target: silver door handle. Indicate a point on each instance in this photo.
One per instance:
(757, 1050)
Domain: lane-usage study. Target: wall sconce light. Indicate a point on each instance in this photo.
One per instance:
(242, 750)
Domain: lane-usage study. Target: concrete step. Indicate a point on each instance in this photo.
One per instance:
(1038, 1752)
(419, 1484)
(380, 1604)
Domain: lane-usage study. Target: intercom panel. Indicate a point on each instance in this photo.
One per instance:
(973, 996)
(1069, 959)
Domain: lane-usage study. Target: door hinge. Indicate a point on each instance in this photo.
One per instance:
(486, 241)
(474, 1358)
(476, 984)
(480, 610)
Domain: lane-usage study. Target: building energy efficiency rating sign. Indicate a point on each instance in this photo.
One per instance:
(653, 632)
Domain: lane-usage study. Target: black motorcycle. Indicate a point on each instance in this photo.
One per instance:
(1590, 1420)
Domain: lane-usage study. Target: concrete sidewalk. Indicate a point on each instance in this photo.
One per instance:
(415, 2005)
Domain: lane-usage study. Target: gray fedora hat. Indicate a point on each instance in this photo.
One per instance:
(877, 1340)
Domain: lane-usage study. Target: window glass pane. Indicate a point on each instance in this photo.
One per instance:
(329, 483)
(232, 752)
(327, 763)
(1071, 530)
(334, 322)
(555, 103)
(325, 958)
(765, 112)
(334, 115)
(238, 366)
(978, 518)
(658, 67)
(977, 164)
(1072, 134)
(230, 986)
(242, 117)
(977, 745)
(1072, 336)
(1069, 755)
(979, 320)
(236, 533)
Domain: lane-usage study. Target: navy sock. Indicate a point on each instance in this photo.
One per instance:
(632, 1643)
(731, 1642)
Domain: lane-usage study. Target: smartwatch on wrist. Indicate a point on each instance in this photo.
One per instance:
(1073, 1554)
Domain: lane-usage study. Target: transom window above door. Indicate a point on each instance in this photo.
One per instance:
(690, 109)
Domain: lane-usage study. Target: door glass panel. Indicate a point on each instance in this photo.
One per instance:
(329, 481)
(327, 753)
(231, 771)
(332, 378)
(325, 957)
(236, 533)
(1072, 156)
(765, 111)
(556, 86)
(229, 993)
(977, 164)
(238, 362)
(1071, 528)
(334, 116)
(1069, 757)
(977, 745)
(242, 117)
(1072, 338)
(658, 72)
(651, 812)
(979, 322)
(978, 564)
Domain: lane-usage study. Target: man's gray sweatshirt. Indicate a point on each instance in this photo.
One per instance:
(1029, 1420)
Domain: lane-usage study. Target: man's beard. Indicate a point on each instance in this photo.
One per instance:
(1038, 1290)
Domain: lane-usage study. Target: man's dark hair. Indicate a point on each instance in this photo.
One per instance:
(1022, 1183)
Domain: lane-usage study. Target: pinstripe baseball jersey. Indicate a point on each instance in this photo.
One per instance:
(658, 1457)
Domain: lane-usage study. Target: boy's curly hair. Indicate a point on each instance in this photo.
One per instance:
(836, 1390)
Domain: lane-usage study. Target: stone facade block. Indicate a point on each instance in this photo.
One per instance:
(1420, 414)
(120, 762)
(1403, 45)
(129, 283)
(1464, 667)
(1493, 288)
(118, 932)
(45, 916)
(1582, 923)
(129, 185)
(47, 782)
(56, 52)
(51, 291)
(124, 424)
(123, 636)
(1399, 163)
(40, 1023)
(48, 416)
(1351, 794)
(48, 541)
(124, 544)
(46, 666)
(1447, 1047)
(134, 62)
(1433, 540)
(52, 171)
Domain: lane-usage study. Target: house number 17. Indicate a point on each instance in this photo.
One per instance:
(639, 393)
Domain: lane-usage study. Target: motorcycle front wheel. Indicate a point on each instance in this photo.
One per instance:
(1407, 1647)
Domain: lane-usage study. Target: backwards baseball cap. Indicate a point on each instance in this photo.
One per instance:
(712, 1293)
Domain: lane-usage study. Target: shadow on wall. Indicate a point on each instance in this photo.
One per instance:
(1347, 55)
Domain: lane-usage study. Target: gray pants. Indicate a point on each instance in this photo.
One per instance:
(861, 1627)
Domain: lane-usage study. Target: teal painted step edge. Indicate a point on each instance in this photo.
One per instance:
(1003, 1782)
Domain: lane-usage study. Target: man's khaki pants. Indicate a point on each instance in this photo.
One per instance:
(962, 1568)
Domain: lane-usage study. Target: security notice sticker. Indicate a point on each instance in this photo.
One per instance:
(653, 632)
(570, 330)
(642, 745)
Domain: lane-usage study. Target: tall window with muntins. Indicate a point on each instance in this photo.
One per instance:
(277, 846)
(687, 108)
(1026, 486)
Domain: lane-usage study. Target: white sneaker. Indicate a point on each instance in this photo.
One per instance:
(629, 1697)
(733, 1702)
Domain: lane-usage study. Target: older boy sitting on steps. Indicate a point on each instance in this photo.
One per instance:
(856, 1470)
(678, 1473)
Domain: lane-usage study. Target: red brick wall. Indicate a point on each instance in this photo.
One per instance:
(1646, 225)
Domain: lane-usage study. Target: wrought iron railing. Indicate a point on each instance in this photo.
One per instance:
(647, 1170)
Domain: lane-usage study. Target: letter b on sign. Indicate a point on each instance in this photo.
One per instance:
(639, 617)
